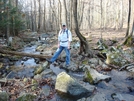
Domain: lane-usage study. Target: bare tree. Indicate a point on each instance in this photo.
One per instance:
(128, 40)
(8, 25)
(66, 13)
(35, 14)
(84, 47)
(44, 23)
(129, 15)
(39, 19)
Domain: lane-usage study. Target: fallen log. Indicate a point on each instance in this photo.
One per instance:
(24, 54)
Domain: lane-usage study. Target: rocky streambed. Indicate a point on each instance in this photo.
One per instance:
(87, 79)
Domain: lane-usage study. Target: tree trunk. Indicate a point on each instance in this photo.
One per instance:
(65, 12)
(39, 19)
(129, 39)
(84, 47)
(8, 25)
(129, 15)
(23, 54)
(44, 23)
(59, 11)
(35, 14)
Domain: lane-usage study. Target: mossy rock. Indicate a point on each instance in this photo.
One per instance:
(4, 96)
(1, 65)
(114, 59)
(88, 76)
(38, 70)
(26, 97)
(85, 62)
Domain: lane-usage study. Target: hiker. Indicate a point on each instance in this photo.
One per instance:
(64, 41)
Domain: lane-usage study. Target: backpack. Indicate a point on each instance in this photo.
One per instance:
(66, 32)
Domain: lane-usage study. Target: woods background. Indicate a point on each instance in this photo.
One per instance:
(47, 15)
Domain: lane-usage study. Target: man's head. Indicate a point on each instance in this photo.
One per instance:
(64, 26)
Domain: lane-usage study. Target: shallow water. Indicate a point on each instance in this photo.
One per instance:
(119, 83)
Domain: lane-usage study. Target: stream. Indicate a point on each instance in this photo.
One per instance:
(121, 81)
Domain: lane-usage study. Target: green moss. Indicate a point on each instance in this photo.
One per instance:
(85, 62)
(89, 77)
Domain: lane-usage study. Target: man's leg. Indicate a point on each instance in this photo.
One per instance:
(57, 53)
(67, 56)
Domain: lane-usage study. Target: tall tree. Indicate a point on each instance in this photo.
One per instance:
(39, 19)
(66, 13)
(35, 14)
(8, 25)
(129, 40)
(129, 15)
(84, 47)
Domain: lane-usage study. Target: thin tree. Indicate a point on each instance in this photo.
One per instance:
(84, 47)
(128, 40)
(128, 23)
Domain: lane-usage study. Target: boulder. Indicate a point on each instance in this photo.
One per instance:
(93, 77)
(69, 86)
(26, 97)
(122, 97)
(4, 96)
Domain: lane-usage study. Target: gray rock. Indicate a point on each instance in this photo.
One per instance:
(69, 86)
(11, 75)
(47, 71)
(97, 97)
(26, 97)
(123, 97)
(4, 96)
(92, 76)
(46, 90)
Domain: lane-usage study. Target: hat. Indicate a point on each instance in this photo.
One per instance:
(63, 24)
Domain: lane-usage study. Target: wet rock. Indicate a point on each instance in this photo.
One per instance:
(122, 97)
(93, 61)
(38, 70)
(97, 97)
(47, 71)
(26, 97)
(92, 76)
(41, 48)
(67, 85)
(85, 62)
(130, 68)
(45, 64)
(46, 90)
(1, 65)
(73, 66)
(4, 96)
(37, 77)
(115, 59)
(11, 75)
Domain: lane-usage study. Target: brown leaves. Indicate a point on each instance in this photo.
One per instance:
(16, 87)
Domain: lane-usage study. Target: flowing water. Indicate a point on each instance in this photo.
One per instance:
(121, 81)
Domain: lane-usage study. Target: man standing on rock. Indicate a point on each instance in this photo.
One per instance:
(64, 41)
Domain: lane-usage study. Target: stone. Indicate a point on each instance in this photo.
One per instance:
(4, 96)
(69, 86)
(122, 97)
(26, 97)
(93, 77)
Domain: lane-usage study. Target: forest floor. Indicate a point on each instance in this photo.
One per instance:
(93, 37)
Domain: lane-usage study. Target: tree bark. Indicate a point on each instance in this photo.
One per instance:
(84, 47)
(35, 14)
(39, 19)
(65, 11)
(23, 54)
(128, 23)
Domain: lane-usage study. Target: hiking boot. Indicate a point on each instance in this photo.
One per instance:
(67, 65)
(48, 60)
